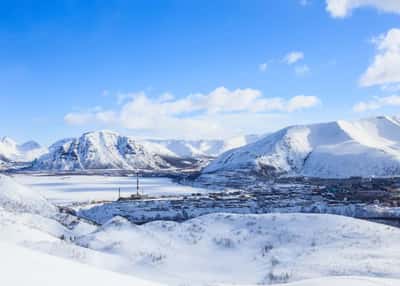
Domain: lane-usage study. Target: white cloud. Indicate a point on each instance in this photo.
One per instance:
(377, 103)
(302, 70)
(391, 87)
(293, 57)
(385, 68)
(302, 102)
(77, 118)
(263, 67)
(166, 97)
(81, 118)
(196, 115)
(343, 8)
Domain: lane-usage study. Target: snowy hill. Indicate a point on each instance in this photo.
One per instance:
(105, 150)
(43, 270)
(205, 148)
(27, 220)
(367, 147)
(26, 152)
(251, 249)
(217, 249)
(22, 266)
(18, 198)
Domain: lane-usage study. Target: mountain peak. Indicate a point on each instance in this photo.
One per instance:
(29, 145)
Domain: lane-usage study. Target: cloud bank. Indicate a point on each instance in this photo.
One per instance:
(385, 68)
(343, 8)
(377, 103)
(197, 115)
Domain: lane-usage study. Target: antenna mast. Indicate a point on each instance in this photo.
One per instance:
(137, 183)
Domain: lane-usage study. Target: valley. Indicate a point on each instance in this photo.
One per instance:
(214, 249)
(259, 210)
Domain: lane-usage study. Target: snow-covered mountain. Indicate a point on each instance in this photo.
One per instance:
(106, 150)
(205, 148)
(110, 150)
(367, 147)
(26, 152)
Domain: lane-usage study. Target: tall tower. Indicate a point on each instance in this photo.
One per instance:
(137, 183)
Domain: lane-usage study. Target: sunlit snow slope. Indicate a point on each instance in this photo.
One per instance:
(21, 266)
(368, 147)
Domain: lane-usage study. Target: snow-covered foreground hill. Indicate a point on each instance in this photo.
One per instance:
(368, 147)
(21, 266)
(218, 249)
(252, 249)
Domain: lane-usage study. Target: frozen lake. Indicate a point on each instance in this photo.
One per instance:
(65, 190)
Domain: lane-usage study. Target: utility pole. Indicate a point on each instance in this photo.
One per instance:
(137, 184)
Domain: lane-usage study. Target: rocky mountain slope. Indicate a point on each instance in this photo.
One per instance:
(367, 147)
(106, 150)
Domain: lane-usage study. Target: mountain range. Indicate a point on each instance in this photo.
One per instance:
(365, 147)
(110, 150)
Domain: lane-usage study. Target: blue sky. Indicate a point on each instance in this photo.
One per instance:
(193, 69)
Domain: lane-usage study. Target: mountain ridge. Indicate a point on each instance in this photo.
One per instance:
(105, 149)
(10, 150)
